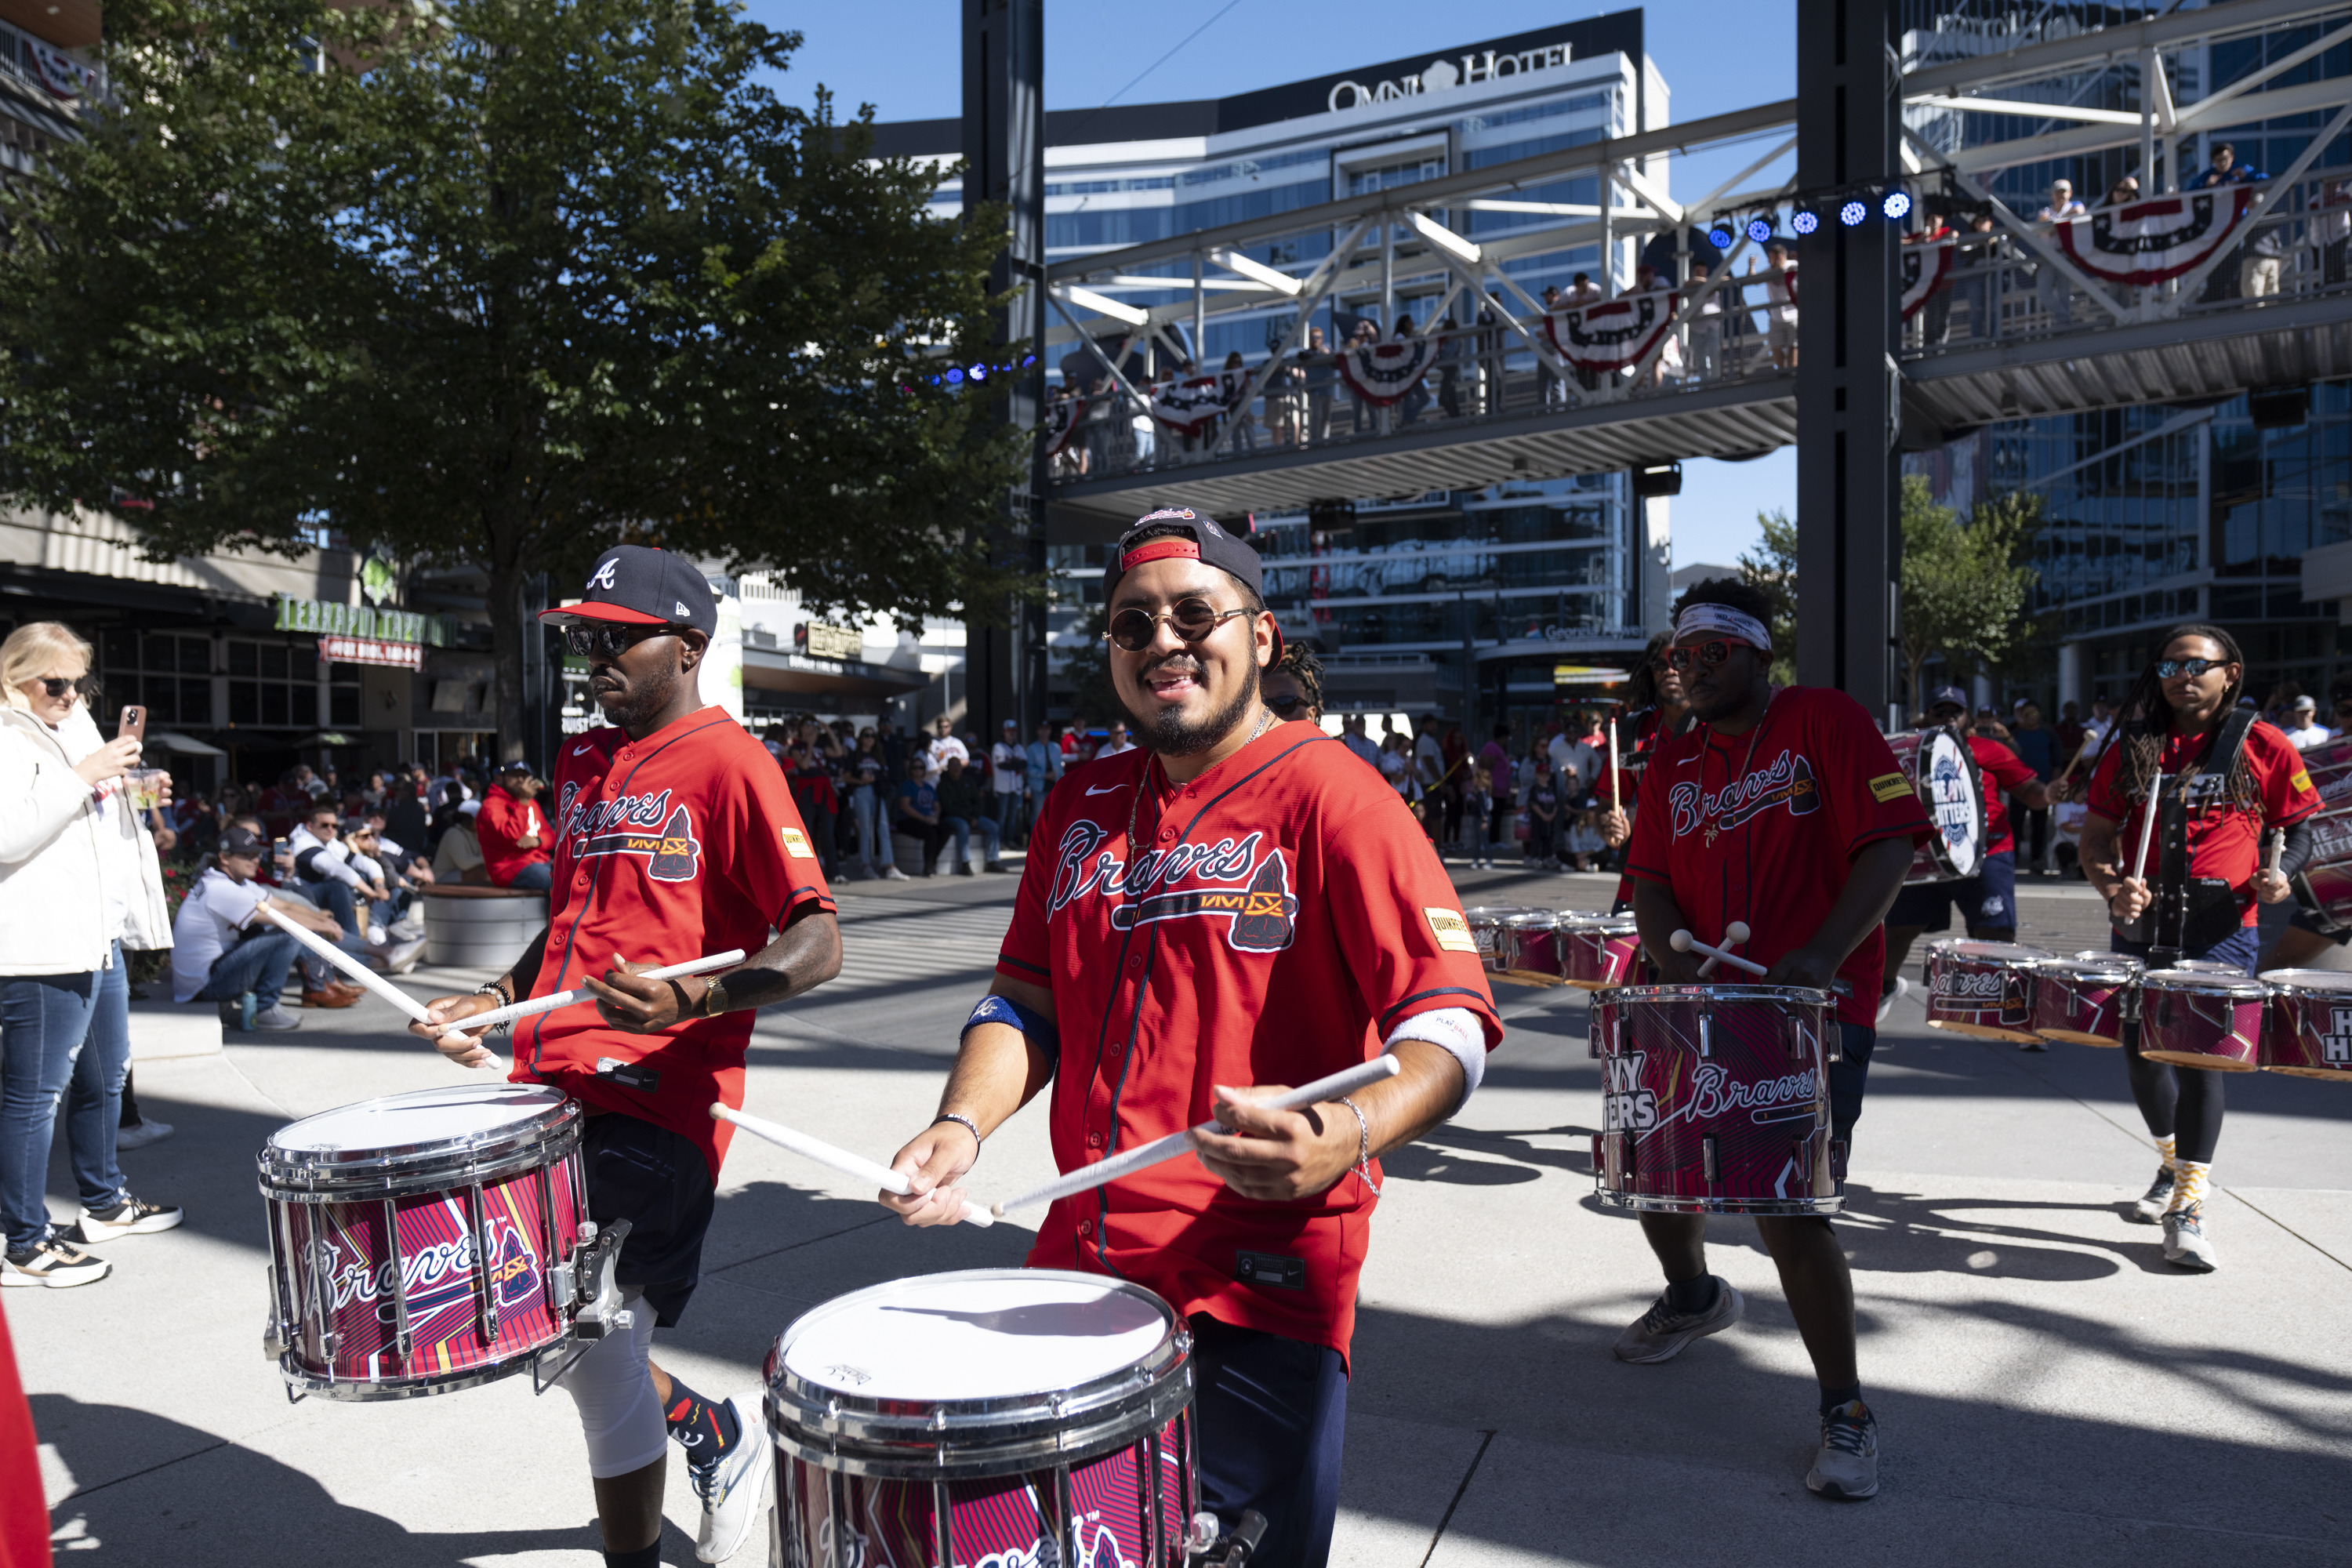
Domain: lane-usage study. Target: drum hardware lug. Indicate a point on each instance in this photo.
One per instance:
(541, 1380)
(402, 1338)
(1709, 1160)
(1706, 1037)
(599, 1310)
(1230, 1552)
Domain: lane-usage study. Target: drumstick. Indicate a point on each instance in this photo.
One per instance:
(1616, 794)
(1733, 935)
(1088, 1177)
(1683, 941)
(2147, 828)
(2063, 774)
(841, 1160)
(538, 1004)
(364, 975)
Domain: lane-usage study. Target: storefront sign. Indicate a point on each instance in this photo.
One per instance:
(360, 621)
(818, 640)
(372, 651)
(1441, 75)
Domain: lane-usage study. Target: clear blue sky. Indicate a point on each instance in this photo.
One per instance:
(904, 57)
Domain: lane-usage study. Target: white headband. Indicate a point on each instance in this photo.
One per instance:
(1725, 621)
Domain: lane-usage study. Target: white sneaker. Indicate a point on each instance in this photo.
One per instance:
(407, 928)
(277, 1017)
(131, 1216)
(55, 1262)
(145, 1132)
(730, 1486)
(1886, 1002)
(892, 874)
(2186, 1245)
(378, 936)
(399, 960)
(1846, 1468)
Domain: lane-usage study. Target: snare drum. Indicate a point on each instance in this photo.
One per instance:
(2202, 1018)
(996, 1415)
(1716, 1100)
(1983, 988)
(432, 1241)
(2310, 1029)
(1943, 771)
(1598, 951)
(1526, 948)
(1487, 929)
(2085, 998)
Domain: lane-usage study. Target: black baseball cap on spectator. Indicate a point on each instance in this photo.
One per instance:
(242, 841)
(513, 765)
(636, 585)
(1178, 531)
(1951, 695)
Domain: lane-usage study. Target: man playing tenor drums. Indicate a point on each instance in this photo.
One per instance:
(675, 837)
(1237, 905)
(1785, 810)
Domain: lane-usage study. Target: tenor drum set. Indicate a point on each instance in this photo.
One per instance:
(1555, 947)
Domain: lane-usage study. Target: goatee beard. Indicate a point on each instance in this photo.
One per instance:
(1167, 732)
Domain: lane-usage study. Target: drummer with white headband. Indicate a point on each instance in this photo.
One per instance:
(1235, 905)
(1784, 809)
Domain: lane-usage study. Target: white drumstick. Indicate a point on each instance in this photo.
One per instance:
(1087, 1178)
(1616, 795)
(1733, 935)
(1683, 941)
(841, 1160)
(359, 971)
(538, 1004)
(2146, 828)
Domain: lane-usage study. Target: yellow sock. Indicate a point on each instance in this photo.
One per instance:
(2163, 1146)
(2188, 1185)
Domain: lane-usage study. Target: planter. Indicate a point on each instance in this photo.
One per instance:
(480, 928)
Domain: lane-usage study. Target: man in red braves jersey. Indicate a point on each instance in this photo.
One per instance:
(1237, 905)
(675, 837)
(1987, 901)
(2218, 779)
(1783, 809)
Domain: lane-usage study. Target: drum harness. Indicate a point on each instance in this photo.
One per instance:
(2190, 913)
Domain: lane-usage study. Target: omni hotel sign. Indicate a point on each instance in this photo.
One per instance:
(1444, 75)
(362, 634)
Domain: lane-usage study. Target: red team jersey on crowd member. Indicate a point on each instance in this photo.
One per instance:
(1287, 914)
(1764, 826)
(2000, 769)
(503, 819)
(2224, 841)
(682, 844)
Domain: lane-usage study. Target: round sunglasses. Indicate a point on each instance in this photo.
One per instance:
(56, 686)
(1190, 619)
(1709, 654)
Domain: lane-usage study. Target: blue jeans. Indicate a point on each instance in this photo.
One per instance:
(538, 877)
(94, 1101)
(960, 829)
(257, 964)
(873, 828)
(337, 900)
(43, 1020)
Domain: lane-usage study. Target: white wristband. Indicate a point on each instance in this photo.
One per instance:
(1457, 1031)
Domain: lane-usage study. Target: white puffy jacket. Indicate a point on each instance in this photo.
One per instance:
(126, 847)
(52, 906)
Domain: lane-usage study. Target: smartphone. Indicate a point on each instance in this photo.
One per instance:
(134, 722)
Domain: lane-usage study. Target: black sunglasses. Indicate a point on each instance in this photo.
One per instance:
(56, 686)
(2166, 668)
(1286, 706)
(1709, 654)
(606, 640)
(1192, 619)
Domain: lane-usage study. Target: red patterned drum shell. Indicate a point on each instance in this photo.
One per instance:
(2310, 1030)
(1598, 951)
(1715, 1100)
(2085, 998)
(1983, 988)
(1057, 1428)
(1485, 925)
(413, 1238)
(1527, 945)
(2323, 885)
(2195, 1018)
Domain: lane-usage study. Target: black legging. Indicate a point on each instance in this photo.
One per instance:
(2184, 1103)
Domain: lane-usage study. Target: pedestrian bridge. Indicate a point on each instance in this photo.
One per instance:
(2154, 295)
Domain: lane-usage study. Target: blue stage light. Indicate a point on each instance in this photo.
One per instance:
(979, 372)
(1759, 229)
(1719, 236)
(1896, 204)
(954, 376)
(1804, 222)
(1851, 214)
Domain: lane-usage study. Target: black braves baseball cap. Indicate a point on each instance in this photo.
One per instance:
(637, 586)
(241, 841)
(1947, 694)
(1180, 533)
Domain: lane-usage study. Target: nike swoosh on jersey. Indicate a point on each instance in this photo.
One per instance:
(582, 750)
(1105, 789)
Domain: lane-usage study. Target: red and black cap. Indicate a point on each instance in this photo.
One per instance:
(1180, 533)
(640, 586)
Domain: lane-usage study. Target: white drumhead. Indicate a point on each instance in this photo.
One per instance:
(1948, 788)
(2317, 980)
(421, 1116)
(959, 1336)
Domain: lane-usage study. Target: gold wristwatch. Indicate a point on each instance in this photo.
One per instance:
(714, 999)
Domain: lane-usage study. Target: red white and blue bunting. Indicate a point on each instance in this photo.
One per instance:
(1927, 266)
(1062, 424)
(1382, 373)
(1188, 405)
(1614, 333)
(2152, 240)
(63, 77)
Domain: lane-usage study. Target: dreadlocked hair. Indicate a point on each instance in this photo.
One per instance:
(1642, 690)
(2146, 720)
(1300, 663)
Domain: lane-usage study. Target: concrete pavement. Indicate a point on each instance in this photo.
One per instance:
(2051, 1391)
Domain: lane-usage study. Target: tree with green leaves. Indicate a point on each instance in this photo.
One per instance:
(1771, 569)
(1964, 584)
(540, 277)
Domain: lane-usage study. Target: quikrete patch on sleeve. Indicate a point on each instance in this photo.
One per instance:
(1890, 786)
(1452, 931)
(796, 845)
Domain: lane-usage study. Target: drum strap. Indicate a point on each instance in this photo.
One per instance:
(2191, 913)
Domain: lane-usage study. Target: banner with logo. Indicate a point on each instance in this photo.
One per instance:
(1613, 333)
(1382, 373)
(1188, 405)
(1926, 267)
(2162, 237)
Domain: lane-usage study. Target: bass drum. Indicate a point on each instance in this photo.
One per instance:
(1943, 771)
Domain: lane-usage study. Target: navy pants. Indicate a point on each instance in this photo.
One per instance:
(43, 1020)
(1273, 1414)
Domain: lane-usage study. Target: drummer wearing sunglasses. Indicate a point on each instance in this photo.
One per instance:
(1783, 809)
(1237, 905)
(2219, 780)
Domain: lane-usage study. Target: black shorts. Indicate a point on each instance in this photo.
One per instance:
(659, 1181)
(1849, 1078)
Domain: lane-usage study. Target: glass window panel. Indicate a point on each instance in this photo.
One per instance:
(273, 660)
(275, 711)
(305, 664)
(344, 701)
(244, 658)
(243, 701)
(195, 656)
(195, 702)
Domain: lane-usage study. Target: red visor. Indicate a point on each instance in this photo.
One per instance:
(591, 610)
(1159, 550)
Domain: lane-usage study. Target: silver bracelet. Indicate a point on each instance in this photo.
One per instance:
(968, 1124)
(1363, 1147)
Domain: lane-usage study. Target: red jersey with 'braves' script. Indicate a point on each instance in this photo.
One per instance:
(1764, 826)
(1268, 922)
(682, 844)
(1999, 769)
(2224, 836)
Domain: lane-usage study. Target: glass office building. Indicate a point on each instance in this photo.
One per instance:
(1517, 584)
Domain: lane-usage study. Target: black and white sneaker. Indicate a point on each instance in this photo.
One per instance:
(731, 1485)
(1662, 1332)
(2185, 1245)
(1846, 1469)
(131, 1216)
(55, 1262)
(2152, 1203)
